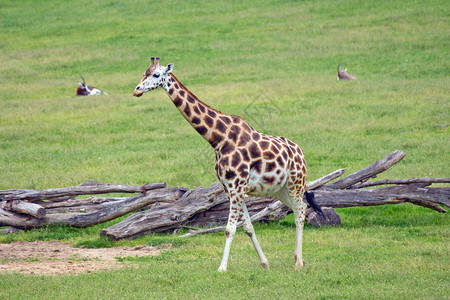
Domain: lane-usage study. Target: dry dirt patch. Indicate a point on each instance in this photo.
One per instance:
(57, 258)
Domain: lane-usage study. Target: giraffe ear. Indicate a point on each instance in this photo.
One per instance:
(168, 69)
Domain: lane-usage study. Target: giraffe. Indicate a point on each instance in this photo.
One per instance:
(247, 161)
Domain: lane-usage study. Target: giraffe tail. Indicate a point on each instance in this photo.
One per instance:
(313, 203)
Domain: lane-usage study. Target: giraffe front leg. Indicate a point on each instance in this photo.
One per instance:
(235, 209)
(229, 232)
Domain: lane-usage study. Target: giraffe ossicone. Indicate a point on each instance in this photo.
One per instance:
(247, 161)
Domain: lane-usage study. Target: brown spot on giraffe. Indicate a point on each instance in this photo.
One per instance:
(201, 130)
(264, 145)
(236, 119)
(269, 179)
(215, 139)
(177, 101)
(187, 110)
(230, 175)
(225, 119)
(270, 167)
(247, 128)
(256, 136)
(235, 159)
(245, 155)
(221, 126)
(254, 150)
(268, 155)
(280, 161)
(256, 166)
(244, 139)
(196, 121)
(209, 121)
(223, 162)
(243, 170)
(226, 148)
(191, 99)
(212, 113)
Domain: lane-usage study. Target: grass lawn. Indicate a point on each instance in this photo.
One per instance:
(271, 62)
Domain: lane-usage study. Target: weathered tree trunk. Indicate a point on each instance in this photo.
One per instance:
(108, 211)
(92, 204)
(24, 207)
(88, 188)
(166, 216)
(418, 181)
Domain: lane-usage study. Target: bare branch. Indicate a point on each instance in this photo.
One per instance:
(424, 180)
(325, 179)
(368, 172)
(89, 188)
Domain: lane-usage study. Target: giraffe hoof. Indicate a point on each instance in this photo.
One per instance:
(222, 269)
(265, 265)
(299, 265)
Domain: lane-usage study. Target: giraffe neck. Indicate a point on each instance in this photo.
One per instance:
(210, 123)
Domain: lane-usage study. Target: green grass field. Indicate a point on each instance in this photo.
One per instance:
(271, 62)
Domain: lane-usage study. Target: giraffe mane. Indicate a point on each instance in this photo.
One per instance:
(193, 95)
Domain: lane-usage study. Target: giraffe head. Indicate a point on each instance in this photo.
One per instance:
(155, 76)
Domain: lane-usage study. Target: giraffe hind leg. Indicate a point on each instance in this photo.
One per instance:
(299, 209)
(294, 199)
(248, 227)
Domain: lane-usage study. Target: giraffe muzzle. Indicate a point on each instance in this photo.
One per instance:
(137, 93)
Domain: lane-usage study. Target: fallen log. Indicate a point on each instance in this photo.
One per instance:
(109, 211)
(24, 207)
(166, 216)
(88, 188)
(426, 197)
(95, 203)
(423, 181)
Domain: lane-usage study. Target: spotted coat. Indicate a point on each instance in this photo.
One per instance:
(247, 161)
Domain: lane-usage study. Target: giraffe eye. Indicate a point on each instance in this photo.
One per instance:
(156, 75)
